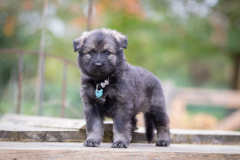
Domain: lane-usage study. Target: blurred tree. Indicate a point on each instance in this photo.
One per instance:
(14, 21)
(175, 39)
(226, 15)
(205, 28)
(172, 40)
(193, 42)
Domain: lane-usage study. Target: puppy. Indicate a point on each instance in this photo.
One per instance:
(113, 88)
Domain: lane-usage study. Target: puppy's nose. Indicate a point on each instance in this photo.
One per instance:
(98, 65)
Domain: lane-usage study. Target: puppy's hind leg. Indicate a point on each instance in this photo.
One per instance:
(157, 113)
(161, 122)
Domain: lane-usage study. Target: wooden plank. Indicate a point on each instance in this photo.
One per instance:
(65, 151)
(225, 98)
(232, 122)
(36, 134)
(39, 121)
(22, 128)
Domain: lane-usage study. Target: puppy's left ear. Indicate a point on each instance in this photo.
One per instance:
(77, 44)
(124, 42)
(122, 39)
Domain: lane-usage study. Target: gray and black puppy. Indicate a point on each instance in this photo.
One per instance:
(112, 87)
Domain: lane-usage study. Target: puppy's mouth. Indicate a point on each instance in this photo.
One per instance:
(100, 74)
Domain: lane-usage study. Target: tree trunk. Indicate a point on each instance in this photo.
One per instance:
(236, 72)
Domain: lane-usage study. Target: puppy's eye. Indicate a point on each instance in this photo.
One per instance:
(90, 52)
(107, 52)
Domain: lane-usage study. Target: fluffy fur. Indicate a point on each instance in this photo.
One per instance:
(131, 90)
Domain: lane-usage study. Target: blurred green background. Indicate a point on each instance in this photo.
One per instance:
(192, 43)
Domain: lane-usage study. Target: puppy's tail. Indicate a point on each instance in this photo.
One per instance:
(149, 126)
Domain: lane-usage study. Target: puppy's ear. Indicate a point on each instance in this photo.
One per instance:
(122, 39)
(77, 43)
(124, 42)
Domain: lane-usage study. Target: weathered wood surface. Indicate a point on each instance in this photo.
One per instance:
(180, 98)
(177, 136)
(18, 128)
(232, 122)
(65, 151)
(227, 98)
(40, 121)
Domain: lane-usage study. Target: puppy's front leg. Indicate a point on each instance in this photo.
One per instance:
(122, 125)
(94, 126)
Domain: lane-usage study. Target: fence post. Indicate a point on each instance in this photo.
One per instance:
(41, 65)
(89, 16)
(64, 83)
(20, 76)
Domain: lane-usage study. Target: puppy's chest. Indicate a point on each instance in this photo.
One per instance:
(106, 103)
(108, 94)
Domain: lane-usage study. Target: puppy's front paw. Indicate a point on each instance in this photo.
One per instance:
(119, 144)
(163, 143)
(91, 143)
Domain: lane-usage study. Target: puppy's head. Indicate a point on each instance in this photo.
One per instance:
(100, 52)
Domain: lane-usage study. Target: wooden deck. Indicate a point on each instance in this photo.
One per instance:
(46, 129)
(65, 151)
(33, 137)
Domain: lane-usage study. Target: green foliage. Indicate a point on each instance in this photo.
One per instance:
(170, 48)
(171, 45)
(52, 100)
(220, 112)
(230, 10)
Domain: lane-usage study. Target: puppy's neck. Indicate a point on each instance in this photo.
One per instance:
(101, 79)
(96, 79)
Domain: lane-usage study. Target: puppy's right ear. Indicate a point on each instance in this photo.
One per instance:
(77, 44)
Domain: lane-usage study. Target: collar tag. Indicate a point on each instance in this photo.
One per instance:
(99, 93)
